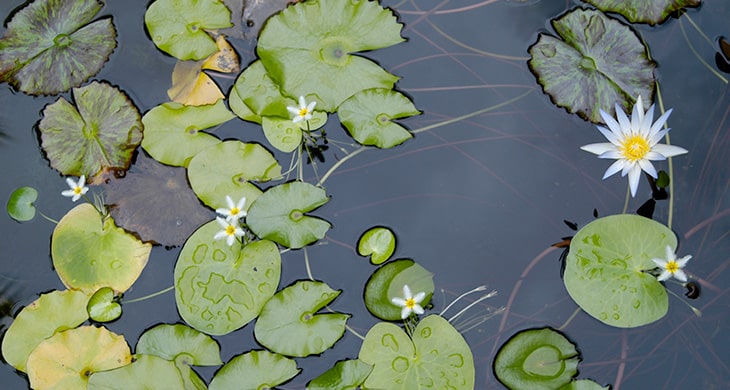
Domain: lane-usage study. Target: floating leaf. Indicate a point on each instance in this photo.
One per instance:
(90, 253)
(536, 359)
(20, 204)
(172, 341)
(436, 357)
(68, 358)
(387, 283)
(285, 135)
(583, 384)
(218, 288)
(255, 95)
(651, 12)
(225, 60)
(254, 370)
(50, 46)
(378, 243)
(99, 134)
(191, 86)
(178, 27)
(605, 271)
(40, 320)
(289, 325)
(307, 49)
(156, 202)
(368, 117)
(346, 374)
(103, 306)
(599, 62)
(146, 372)
(172, 130)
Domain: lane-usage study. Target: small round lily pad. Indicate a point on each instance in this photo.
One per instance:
(20, 205)
(378, 243)
(104, 306)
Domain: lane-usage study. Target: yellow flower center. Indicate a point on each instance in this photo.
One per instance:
(77, 190)
(634, 148)
(235, 211)
(672, 266)
(303, 112)
(410, 303)
(230, 230)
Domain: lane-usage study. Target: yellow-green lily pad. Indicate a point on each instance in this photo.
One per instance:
(20, 205)
(345, 374)
(368, 116)
(254, 370)
(145, 372)
(104, 306)
(173, 341)
(378, 243)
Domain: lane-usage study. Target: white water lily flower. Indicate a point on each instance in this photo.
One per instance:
(235, 211)
(230, 231)
(634, 144)
(409, 303)
(77, 188)
(303, 112)
(672, 267)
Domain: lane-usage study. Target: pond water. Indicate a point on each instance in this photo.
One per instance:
(476, 202)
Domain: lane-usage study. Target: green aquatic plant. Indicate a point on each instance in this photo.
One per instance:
(672, 266)
(387, 283)
(146, 371)
(21, 205)
(254, 370)
(104, 305)
(345, 374)
(650, 11)
(378, 243)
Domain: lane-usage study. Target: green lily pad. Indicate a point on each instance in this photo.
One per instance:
(228, 168)
(307, 49)
(104, 306)
(345, 374)
(289, 325)
(368, 117)
(173, 341)
(279, 214)
(220, 288)
(90, 253)
(583, 384)
(172, 130)
(605, 269)
(50, 46)
(50, 313)
(599, 62)
(254, 370)
(387, 283)
(255, 95)
(20, 204)
(536, 359)
(99, 134)
(285, 135)
(146, 372)
(436, 357)
(650, 11)
(378, 243)
(178, 27)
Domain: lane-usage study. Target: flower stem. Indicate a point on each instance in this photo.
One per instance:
(150, 295)
(670, 166)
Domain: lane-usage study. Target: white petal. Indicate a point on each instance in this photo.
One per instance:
(302, 102)
(310, 106)
(680, 275)
(660, 122)
(668, 150)
(683, 261)
(660, 263)
(668, 253)
(615, 167)
(404, 313)
(611, 123)
(407, 292)
(610, 136)
(229, 201)
(71, 183)
(664, 276)
(648, 167)
(637, 115)
(76, 197)
(222, 222)
(82, 181)
(230, 240)
(293, 110)
(634, 176)
(399, 302)
(611, 154)
(418, 309)
(223, 211)
(654, 156)
(241, 203)
(419, 297)
(84, 190)
(623, 121)
(598, 148)
(646, 123)
(220, 234)
(655, 138)
(68, 193)
(297, 119)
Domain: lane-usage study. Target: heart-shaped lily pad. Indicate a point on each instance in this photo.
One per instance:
(599, 62)
(387, 283)
(378, 243)
(172, 341)
(50, 46)
(345, 374)
(437, 357)
(605, 271)
(20, 204)
(289, 325)
(104, 306)
(285, 135)
(146, 372)
(254, 370)
(649, 11)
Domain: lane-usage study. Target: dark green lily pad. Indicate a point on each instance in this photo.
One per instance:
(171, 342)
(279, 214)
(387, 283)
(254, 370)
(345, 374)
(20, 205)
(289, 325)
(599, 62)
(605, 271)
(99, 134)
(178, 27)
(378, 243)
(307, 49)
(104, 306)
(145, 372)
(50, 46)
(536, 359)
(368, 116)
(649, 11)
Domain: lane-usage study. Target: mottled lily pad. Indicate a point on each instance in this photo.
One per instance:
(98, 134)
(368, 116)
(648, 11)
(104, 306)
(50, 46)
(254, 370)
(172, 341)
(255, 95)
(285, 135)
(146, 372)
(599, 62)
(378, 243)
(387, 283)
(20, 205)
(345, 374)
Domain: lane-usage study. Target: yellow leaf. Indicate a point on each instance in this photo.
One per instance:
(224, 60)
(192, 87)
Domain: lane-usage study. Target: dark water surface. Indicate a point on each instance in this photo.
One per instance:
(475, 202)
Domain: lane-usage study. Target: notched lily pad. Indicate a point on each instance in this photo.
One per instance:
(172, 342)
(368, 116)
(387, 283)
(598, 62)
(378, 243)
(146, 372)
(104, 306)
(20, 205)
(254, 370)
(650, 11)
(345, 374)
(285, 135)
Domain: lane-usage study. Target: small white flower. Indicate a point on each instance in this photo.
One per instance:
(234, 212)
(672, 266)
(230, 231)
(303, 112)
(634, 144)
(77, 188)
(409, 303)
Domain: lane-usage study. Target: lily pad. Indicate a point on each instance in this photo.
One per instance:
(179, 27)
(104, 306)
(536, 359)
(346, 374)
(254, 370)
(289, 325)
(368, 116)
(90, 253)
(599, 61)
(255, 95)
(308, 49)
(50, 46)
(173, 341)
(146, 372)
(20, 204)
(650, 11)
(99, 134)
(436, 357)
(279, 214)
(172, 130)
(220, 288)
(285, 135)
(40, 320)
(387, 283)
(378, 243)
(67, 359)
(605, 271)
(141, 203)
